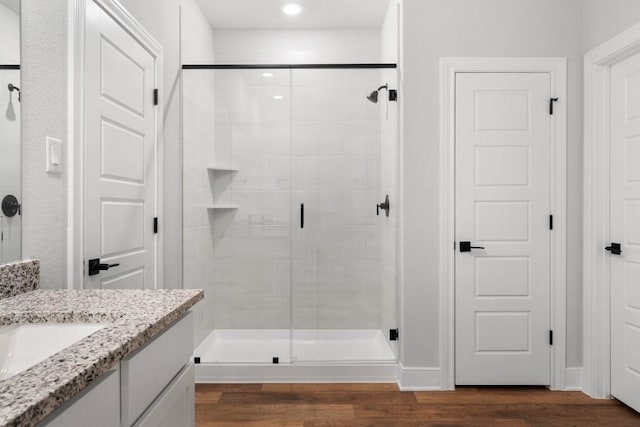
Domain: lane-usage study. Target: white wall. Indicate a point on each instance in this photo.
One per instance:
(603, 19)
(44, 113)
(435, 29)
(297, 46)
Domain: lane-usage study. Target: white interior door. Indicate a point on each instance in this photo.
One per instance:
(625, 230)
(120, 156)
(503, 207)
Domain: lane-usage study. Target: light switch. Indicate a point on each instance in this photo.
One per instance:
(53, 149)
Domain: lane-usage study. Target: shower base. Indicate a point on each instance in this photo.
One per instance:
(247, 355)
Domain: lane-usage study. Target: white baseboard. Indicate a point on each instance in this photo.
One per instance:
(419, 379)
(573, 379)
(408, 379)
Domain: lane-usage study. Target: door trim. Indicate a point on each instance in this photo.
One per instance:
(557, 68)
(76, 127)
(596, 293)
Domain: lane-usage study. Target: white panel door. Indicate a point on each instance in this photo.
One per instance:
(502, 207)
(120, 156)
(625, 230)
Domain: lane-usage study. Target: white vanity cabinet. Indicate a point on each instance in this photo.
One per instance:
(152, 387)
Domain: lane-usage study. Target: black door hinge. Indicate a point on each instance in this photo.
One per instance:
(550, 222)
(550, 337)
(275, 360)
(156, 96)
(394, 334)
(196, 360)
(551, 102)
(155, 225)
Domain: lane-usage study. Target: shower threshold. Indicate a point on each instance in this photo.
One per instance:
(326, 355)
(307, 345)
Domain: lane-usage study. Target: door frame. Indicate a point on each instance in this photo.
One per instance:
(76, 129)
(596, 293)
(557, 68)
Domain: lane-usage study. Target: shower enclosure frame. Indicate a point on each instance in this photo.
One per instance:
(305, 371)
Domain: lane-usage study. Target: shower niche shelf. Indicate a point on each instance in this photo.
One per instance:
(223, 206)
(222, 168)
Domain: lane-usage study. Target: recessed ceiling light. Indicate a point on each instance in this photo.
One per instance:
(278, 97)
(291, 9)
(267, 75)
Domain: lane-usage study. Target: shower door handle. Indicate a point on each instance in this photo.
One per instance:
(301, 215)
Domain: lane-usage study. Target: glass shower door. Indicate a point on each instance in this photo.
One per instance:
(236, 219)
(343, 294)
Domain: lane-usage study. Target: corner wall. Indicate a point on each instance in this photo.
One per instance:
(198, 143)
(604, 19)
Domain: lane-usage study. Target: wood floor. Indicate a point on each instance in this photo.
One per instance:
(297, 405)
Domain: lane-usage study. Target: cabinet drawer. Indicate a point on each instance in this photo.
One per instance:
(146, 373)
(98, 406)
(175, 406)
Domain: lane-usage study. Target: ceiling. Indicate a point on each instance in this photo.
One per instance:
(316, 14)
(12, 4)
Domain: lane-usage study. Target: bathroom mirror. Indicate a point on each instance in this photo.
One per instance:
(10, 147)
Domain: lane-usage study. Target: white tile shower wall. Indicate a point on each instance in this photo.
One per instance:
(199, 151)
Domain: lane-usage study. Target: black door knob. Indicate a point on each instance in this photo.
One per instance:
(615, 249)
(95, 267)
(466, 247)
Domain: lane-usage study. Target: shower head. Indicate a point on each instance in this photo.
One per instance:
(11, 88)
(373, 96)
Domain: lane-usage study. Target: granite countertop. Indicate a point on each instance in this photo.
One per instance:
(133, 317)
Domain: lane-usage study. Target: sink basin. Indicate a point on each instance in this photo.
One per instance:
(22, 346)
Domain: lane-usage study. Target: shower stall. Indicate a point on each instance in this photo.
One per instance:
(289, 216)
